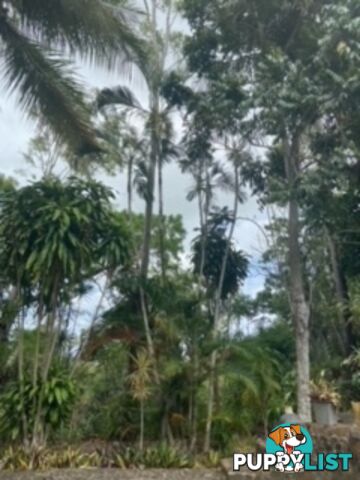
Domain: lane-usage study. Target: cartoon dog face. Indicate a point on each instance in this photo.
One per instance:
(288, 438)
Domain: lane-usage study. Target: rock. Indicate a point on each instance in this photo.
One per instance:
(227, 465)
(346, 417)
(290, 418)
(355, 448)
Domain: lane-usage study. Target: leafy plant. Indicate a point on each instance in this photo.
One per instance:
(20, 459)
(57, 397)
(351, 379)
(162, 456)
(323, 390)
(215, 241)
(140, 383)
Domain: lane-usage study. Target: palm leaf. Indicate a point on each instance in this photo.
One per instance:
(118, 96)
(46, 88)
(141, 180)
(97, 30)
(192, 194)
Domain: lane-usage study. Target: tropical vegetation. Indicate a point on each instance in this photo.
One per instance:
(125, 339)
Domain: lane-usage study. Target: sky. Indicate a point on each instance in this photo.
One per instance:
(16, 131)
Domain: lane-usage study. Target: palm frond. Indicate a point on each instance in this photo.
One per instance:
(118, 96)
(169, 151)
(226, 182)
(141, 180)
(97, 30)
(46, 89)
(192, 194)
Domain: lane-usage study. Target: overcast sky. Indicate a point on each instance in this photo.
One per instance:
(16, 131)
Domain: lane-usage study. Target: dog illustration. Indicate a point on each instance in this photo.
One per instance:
(288, 438)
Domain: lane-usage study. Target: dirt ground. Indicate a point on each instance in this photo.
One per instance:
(115, 475)
(107, 474)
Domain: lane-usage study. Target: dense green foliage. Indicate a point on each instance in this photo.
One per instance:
(119, 326)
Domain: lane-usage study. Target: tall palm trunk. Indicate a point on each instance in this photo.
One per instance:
(154, 82)
(216, 326)
(194, 407)
(148, 226)
(299, 305)
(149, 202)
(203, 207)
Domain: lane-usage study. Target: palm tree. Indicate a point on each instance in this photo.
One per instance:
(224, 269)
(31, 34)
(157, 124)
(156, 148)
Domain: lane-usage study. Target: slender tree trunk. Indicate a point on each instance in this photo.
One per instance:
(130, 184)
(142, 425)
(37, 360)
(38, 343)
(217, 405)
(53, 333)
(148, 218)
(218, 302)
(151, 9)
(3, 331)
(342, 294)
(203, 206)
(10, 311)
(204, 214)
(148, 334)
(21, 376)
(148, 226)
(299, 305)
(195, 407)
(301, 314)
(166, 432)
(85, 341)
(161, 221)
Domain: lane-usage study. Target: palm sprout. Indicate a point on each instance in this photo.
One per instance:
(140, 382)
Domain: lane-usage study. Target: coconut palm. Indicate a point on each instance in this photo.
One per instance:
(31, 34)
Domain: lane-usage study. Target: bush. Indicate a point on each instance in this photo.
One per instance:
(46, 459)
(57, 397)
